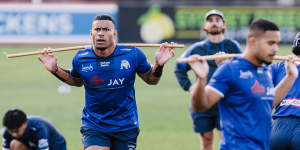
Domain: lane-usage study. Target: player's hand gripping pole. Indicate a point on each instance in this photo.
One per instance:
(224, 56)
(83, 47)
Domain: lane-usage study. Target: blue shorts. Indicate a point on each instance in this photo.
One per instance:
(285, 133)
(204, 122)
(115, 140)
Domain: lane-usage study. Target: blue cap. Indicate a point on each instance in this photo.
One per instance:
(214, 12)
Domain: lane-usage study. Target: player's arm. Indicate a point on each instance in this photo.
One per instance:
(203, 97)
(42, 134)
(65, 76)
(6, 141)
(153, 76)
(49, 60)
(180, 71)
(287, 82)
(162, 55)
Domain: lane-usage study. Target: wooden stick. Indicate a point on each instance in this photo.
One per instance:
(42, 51)
(223, 56)
(86, 46)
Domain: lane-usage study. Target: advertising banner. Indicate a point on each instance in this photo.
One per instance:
(50, 23)
(185, 23)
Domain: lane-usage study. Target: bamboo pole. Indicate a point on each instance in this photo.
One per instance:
(86, 46)
(223, 56)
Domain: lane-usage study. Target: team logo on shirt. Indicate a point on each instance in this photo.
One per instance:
(290, 102)
(43, 143)
(87, 68)
(95, 80)
(131, 147)
(257, 88)
(31, 144)
(246, 74)
(125, 64)
(104, 63)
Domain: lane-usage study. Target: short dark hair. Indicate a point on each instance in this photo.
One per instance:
(261, 26)
(104, 17)
(14, 118)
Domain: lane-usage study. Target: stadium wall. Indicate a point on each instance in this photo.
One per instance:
(184, 23)
(52, 23)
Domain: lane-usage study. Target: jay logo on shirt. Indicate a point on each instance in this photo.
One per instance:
(257, 89)
(95, 81)
(125, 64)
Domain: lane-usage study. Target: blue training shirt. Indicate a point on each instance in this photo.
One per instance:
(110, 104)
(290, 105)
(246, 107)
(39, 135)
(204, 48)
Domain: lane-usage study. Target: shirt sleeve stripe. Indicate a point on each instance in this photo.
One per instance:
(3, 148)
(215, 90)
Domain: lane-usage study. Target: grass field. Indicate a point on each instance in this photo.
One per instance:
(163, 109)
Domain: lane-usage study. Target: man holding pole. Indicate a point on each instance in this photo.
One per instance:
(244, 91)
(107, 71)
(285, 132)
(214, 27)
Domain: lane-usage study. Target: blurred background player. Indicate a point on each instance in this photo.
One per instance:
(107, 71)
(244, 91)
(32, 133)
(214, 27)
(285, 133)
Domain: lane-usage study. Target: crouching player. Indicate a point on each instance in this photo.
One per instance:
(32, 133)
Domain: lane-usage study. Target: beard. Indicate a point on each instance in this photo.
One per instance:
(101, 48)
(265, 61)
(214, 30)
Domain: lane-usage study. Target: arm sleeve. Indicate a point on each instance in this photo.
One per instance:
(6, 141)
(143, 65)
(7, 138)
(42, 134)
(74, 72)
(181, 70)
(221, 79)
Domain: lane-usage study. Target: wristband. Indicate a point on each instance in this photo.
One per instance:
(158, 71)
(57, 76)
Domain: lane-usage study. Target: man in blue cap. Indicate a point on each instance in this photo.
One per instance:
(286, 125)
(214, 27)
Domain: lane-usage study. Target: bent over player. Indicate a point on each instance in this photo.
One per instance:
(32, 133)
(107, 71)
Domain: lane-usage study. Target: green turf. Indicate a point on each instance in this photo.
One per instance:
(163, 109)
